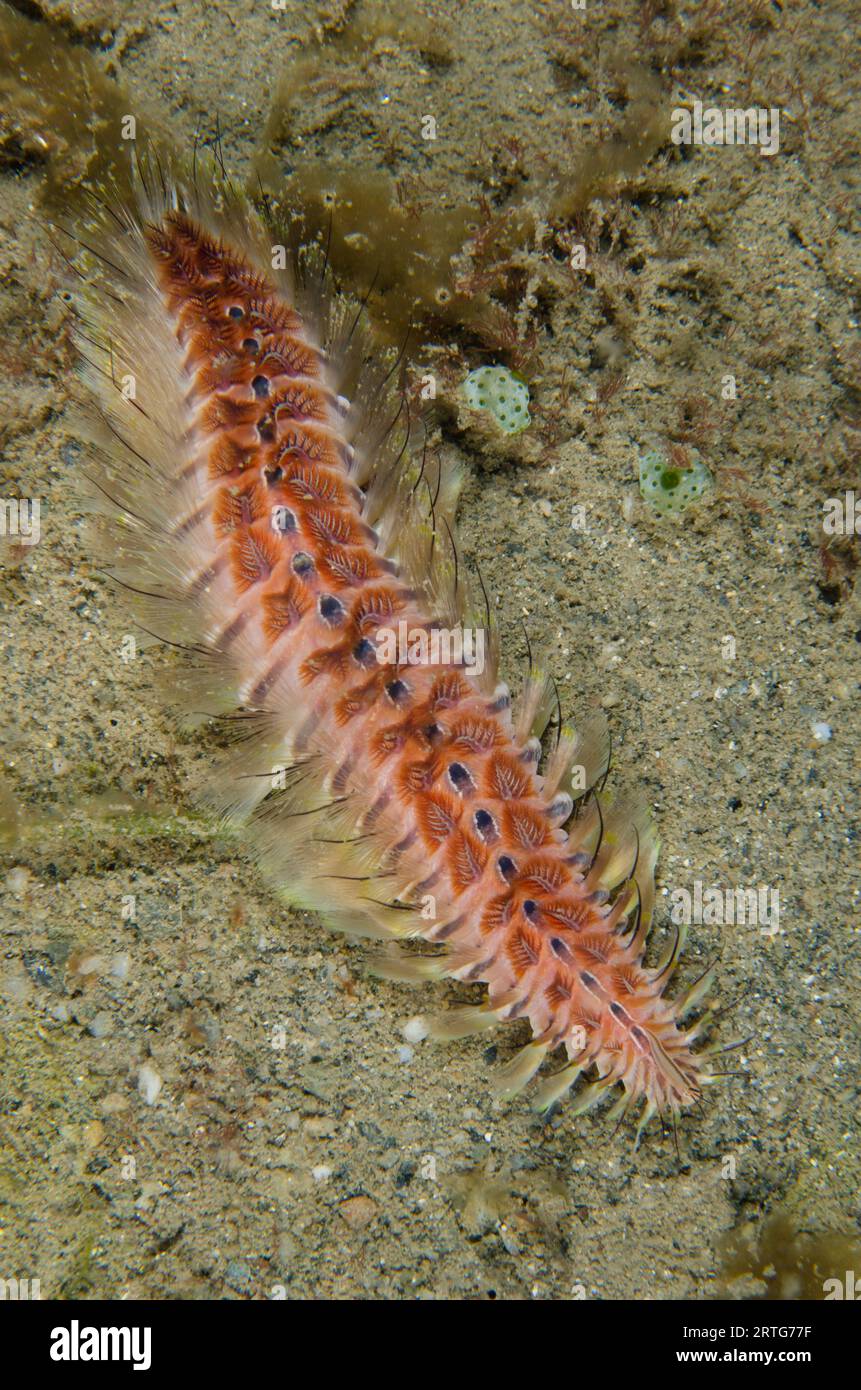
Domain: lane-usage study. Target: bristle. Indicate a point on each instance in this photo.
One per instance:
(393, 964)
(554, 1087)
(537, 700)
(590, 1097)
(461, 1022)
(511, 1078)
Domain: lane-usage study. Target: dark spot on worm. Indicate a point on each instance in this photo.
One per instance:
(236, 312)
(459, 776)
(331, 608)
(364, 651)
(506, 866)
(397, 689)
(260, 386)
(302, 562)
(599, 897)
(485, 824)
(283, 520)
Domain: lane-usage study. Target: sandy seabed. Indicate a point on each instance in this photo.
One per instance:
(203, 1093)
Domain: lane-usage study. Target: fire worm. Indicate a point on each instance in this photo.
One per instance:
(269, 504)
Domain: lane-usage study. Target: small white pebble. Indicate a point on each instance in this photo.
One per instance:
(149, 1084)
(91, 965)
(415, 1029)
(120, 966)
(405, 1054)
(100, 1026)
(321, 1173)
(508, 1241)
(820, 731)
(17, 880)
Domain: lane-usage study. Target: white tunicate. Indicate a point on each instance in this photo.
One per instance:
(502, 394)
(668, 489)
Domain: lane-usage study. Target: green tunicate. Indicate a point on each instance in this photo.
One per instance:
(502, 394)
(669, 490)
